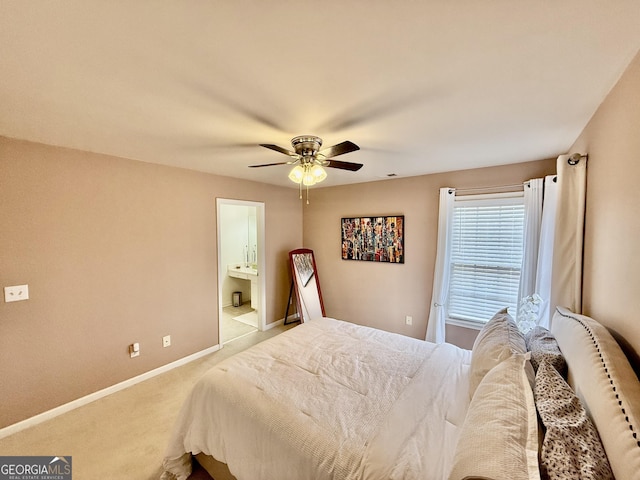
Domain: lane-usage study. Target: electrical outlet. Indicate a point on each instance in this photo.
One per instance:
(16, 293)
(166, 341)
(408, 320)
(134, 350)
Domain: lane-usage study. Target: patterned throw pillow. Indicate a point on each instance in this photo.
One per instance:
(571, 448)
(543, 346)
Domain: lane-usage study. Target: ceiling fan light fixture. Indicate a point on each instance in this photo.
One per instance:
(307, 174)
(308, 180)
(296, 174)
(318, 173)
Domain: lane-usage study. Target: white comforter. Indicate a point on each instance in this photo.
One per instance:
(328, 400)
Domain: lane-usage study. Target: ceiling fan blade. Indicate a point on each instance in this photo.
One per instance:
(351, 166)
(377, 108)
(339, 149)
(206, 91)
(279, 149)
(270, 164)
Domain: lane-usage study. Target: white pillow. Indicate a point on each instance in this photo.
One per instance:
(497, 340)
(499, 437)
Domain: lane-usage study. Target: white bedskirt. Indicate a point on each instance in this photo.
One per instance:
(327, 400)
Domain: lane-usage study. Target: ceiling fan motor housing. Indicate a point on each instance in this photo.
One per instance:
(307, 153)
(306, 145)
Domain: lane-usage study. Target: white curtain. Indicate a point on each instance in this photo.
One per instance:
(569, 235)
(545, 252)
(437, 312)
(559, 277)
(533, 195)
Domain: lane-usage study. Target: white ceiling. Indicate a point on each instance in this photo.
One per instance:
(420, 86)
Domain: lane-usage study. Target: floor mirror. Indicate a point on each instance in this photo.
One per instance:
(306, 284)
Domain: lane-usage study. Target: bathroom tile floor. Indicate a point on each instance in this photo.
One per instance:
(233, 329)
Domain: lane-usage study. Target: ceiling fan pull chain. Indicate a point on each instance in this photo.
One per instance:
(307, 194)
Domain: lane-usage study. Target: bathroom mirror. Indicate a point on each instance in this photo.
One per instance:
(307, 286)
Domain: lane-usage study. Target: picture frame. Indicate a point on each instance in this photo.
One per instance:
(373, 238)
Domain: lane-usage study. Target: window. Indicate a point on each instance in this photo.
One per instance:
(486, 256)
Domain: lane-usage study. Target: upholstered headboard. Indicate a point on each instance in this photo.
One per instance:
(602, 377)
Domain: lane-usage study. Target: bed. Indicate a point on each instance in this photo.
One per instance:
(329, 399)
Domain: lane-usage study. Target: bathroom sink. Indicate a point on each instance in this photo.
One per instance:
(241, 271)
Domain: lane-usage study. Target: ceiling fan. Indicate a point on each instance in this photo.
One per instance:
(309, 161)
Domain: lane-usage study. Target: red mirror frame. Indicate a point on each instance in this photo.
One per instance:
(303, 270)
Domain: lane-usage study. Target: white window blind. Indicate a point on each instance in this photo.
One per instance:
(486, 256)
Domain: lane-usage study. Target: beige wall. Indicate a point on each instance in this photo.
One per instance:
(611, 291)
(381, 295)
(114, 252)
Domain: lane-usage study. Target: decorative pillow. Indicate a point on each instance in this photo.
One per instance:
(544, 347)
(497, 340)
(571, 447)
(499, 436)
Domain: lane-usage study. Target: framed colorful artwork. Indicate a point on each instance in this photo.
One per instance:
(373, 238)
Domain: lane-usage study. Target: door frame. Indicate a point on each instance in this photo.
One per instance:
(222, 269)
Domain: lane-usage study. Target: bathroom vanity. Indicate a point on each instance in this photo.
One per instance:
(249, 273)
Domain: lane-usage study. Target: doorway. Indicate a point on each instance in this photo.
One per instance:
(241, 264)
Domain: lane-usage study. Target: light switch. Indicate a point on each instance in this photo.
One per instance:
(16, 293)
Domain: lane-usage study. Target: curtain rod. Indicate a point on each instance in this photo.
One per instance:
(572, 160)
(576, 157)
(491, 189)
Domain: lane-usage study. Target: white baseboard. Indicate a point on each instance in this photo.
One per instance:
(271, 325)
(92, 397)
(291, 318)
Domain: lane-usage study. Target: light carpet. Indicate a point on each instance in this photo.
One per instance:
(123, 436)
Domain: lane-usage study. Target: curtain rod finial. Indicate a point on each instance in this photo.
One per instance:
(575, 158)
